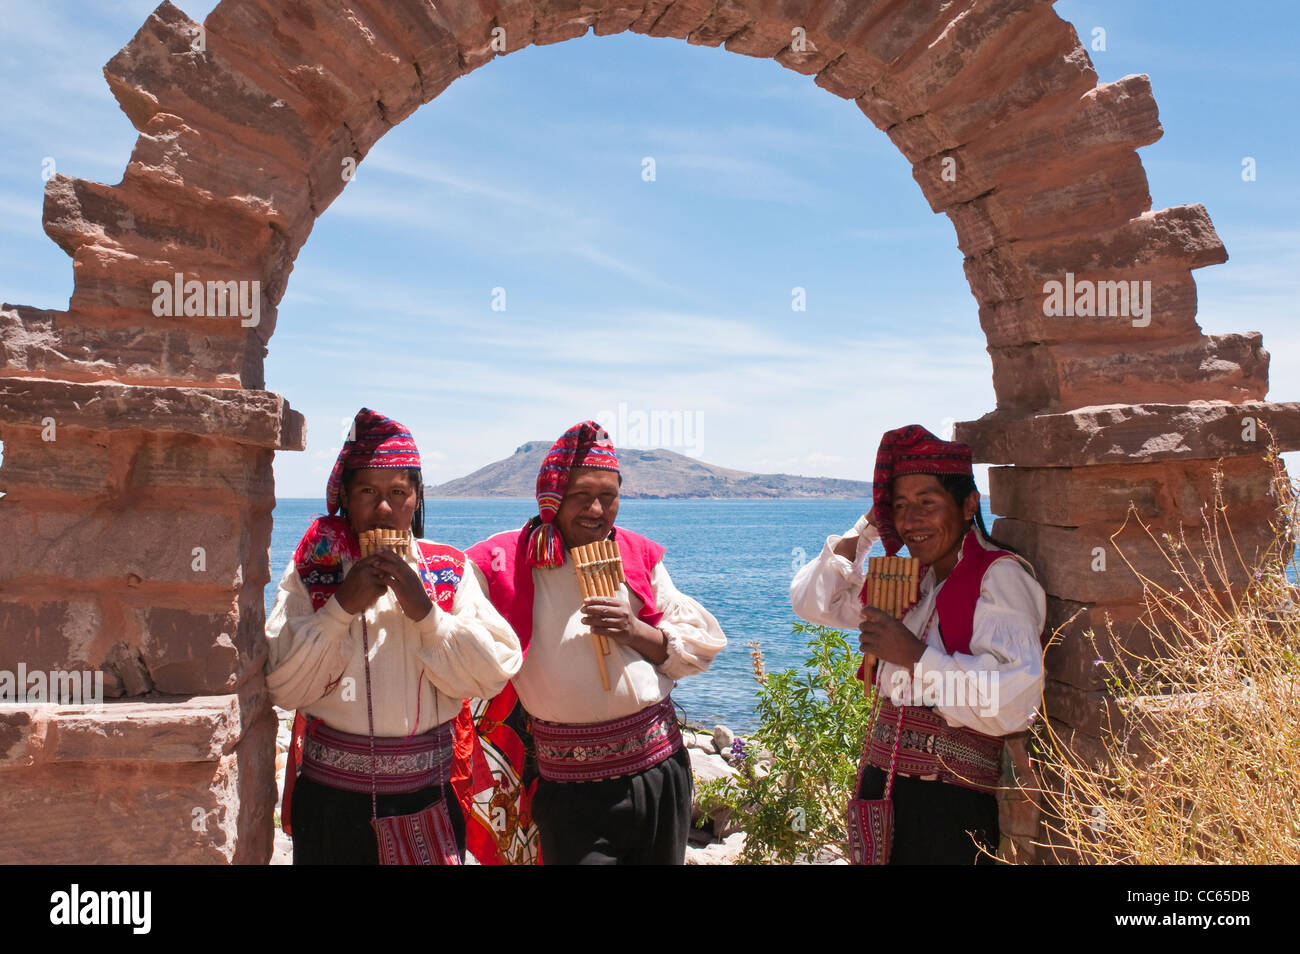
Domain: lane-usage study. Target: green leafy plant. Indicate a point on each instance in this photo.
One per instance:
(797, 770)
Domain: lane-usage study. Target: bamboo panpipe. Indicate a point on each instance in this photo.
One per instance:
(893, 585)
(600, 573)
(372, 541)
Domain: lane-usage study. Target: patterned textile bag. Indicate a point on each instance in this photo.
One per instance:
(871, 820)
(425, 837)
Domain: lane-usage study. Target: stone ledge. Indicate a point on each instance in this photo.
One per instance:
(258, 418)
(1130, 433)
(162, 729)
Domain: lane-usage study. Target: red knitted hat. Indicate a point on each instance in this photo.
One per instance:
(910, 450)
(583, 445)
(375, 441)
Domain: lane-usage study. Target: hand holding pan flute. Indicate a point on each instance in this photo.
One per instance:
(372, 576)
(887, 638)
(612, 618)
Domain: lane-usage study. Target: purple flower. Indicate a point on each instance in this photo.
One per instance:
(738, 748)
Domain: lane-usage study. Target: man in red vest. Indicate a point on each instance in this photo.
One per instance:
(615, 782)
(378, 654)
(957, 674)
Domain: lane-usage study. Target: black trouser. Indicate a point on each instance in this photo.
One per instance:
(932, 820)
(332, 827)
(640, 819)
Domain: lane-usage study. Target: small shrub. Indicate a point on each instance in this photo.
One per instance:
(797, 770)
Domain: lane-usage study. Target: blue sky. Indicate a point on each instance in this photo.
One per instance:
(672, 295)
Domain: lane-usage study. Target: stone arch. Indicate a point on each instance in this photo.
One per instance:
(164, 434)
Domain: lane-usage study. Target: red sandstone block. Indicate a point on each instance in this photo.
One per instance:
(251, 767)
(1110, 194)
(851, 75)
(80, 463)
(199, 464)
(1173, 312)
(192, 652)
(127, 219)
(159, 71)
(337, 59)
(1056, 377)
(1175, 238)
(256, 418)
(727, 18)
(1089, 713)
(129, 546)
(1049, 143)
(48, 634)
(1100, 562)
(1041, 68)
(895, 29)
(618, 17)
(140, 766)
(1132, 434)
(171, 158)
(651, 11)
(681, 18)
(764, 38)
(57, 344)
(811, 60)
(1071, 496)
(517, 18)
(423, 37)
(972, 35)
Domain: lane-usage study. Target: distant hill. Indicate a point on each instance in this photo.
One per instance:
(649, 474)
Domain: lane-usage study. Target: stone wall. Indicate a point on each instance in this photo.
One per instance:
(133, 438)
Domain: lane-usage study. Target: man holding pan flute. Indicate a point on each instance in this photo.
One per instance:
(960, 657)
(377, 637)
(603, 644)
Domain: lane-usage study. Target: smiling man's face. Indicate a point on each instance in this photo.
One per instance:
(589, 507)
(929, 520)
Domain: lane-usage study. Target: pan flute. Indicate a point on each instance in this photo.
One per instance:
(372, 541)
(600, 573)
(893, 585)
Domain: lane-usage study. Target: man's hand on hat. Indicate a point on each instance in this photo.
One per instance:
(848, 546)
(888, 639)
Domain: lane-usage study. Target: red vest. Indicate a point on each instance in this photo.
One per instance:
(961, 591)
(504, 561)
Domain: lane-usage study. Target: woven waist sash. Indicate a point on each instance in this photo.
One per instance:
(591, 751)
(929, 747)
(342, 760)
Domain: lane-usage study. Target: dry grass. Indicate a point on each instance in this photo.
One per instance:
(1202, 755)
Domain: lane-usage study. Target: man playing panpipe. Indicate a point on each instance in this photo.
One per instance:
(960, 671)
(615, 784)
(432, 637)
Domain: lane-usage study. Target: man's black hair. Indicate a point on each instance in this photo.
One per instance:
(417, 478)
(959, 487)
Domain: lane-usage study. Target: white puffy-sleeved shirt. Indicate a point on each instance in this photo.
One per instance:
(1000, 681)
(419, 670)
(560, 679)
